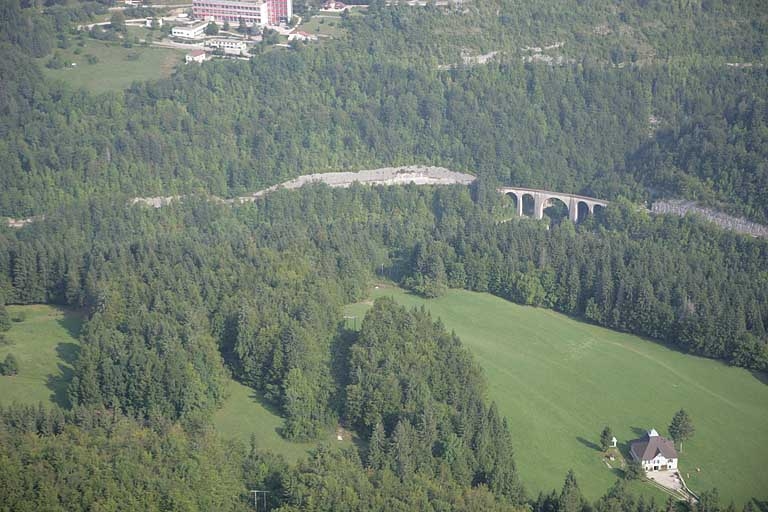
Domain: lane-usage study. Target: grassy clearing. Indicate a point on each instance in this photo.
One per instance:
(45, 344)
(245, 414)
(116, 68)
(559, 381)
(324, 25)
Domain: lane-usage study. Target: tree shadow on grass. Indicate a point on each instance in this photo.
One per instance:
(589, 444)
(624, 450)
(71, 321)
(58, 385)
(259, 399)
(762, 377)
(618, 473)
(639, 432)
(270, 407)
(68, 353)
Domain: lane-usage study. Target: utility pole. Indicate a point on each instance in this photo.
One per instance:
(263, 494)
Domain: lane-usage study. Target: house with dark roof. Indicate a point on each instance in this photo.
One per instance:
(654, 452)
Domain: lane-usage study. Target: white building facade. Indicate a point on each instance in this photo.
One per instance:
(229, 46)
(196, 31)
(659, 463)
(255, 12)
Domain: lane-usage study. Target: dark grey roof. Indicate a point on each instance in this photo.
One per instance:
(648, 446)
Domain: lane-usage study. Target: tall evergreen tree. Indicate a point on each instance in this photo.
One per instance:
(570, 499)
(606, 436)
(681, 429)
(377, 448)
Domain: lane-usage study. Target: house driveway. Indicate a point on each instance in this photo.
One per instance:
(668, 479)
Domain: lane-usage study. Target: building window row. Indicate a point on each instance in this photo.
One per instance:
(224, 6)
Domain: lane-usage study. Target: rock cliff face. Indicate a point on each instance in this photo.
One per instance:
(384, 176)
(682, 207)
(420, 175)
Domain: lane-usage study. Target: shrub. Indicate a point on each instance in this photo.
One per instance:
(634, 471)
(10, 366)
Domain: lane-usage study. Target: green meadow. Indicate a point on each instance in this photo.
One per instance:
(245, 415)
(559, 381)
(115, 67)
(44, 340)
(324, 25)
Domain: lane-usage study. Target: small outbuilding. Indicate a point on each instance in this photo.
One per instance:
(614, 441)
(654, 452)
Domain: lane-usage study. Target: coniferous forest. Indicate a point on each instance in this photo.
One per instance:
(180, 298)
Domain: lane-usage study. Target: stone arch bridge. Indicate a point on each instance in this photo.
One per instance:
(543, 199)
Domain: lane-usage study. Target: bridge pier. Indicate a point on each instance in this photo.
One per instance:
(573, 210)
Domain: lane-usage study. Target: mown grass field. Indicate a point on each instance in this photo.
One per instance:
(559, 381)
(45, 344)
(117, 67)
(245, 414)
(324, 25)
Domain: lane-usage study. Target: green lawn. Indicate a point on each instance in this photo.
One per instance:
(245, 414)
(117, 67)
(325, 24)
(45, 344)
(559, 381)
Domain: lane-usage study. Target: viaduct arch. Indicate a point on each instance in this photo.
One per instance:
(542, 198)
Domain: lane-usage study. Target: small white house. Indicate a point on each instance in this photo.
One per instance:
(654, 452)
(197, 56)
(195, 31)
(614, 441)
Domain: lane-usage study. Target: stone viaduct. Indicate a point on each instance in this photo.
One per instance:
(543, 198)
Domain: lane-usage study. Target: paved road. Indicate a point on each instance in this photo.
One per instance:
(105, 23)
